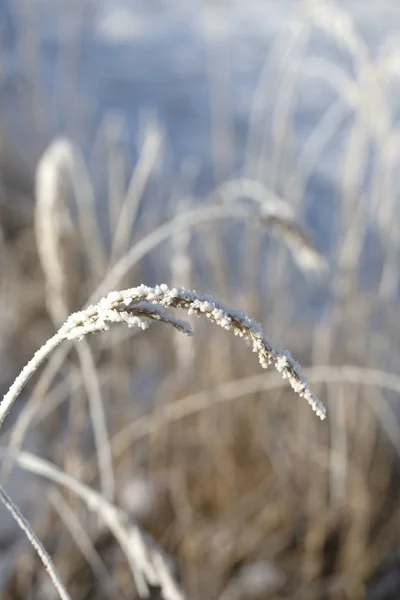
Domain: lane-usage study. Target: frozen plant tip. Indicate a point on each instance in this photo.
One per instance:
(141, 305)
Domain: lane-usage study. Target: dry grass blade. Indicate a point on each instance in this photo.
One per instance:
(149, 565)
(278, 216)
(303, 249)
(62, 165)
(239, 388)
(98, 418)
(57, 247)
(83, 542)
(36, 543)
(191, 219)
(150, 152)
(55, 233)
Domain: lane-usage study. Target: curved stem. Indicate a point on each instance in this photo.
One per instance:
(36, 543)
(26, 373)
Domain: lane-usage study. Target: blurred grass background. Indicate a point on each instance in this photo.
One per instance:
(171, 107)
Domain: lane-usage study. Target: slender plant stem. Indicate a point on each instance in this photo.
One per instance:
(36, 543)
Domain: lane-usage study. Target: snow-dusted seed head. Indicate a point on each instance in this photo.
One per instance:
(137, 306)
(115, 309)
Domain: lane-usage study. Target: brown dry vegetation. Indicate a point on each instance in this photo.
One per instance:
(227, 468)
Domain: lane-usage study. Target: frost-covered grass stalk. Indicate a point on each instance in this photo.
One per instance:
(91, 320)
(138, 306)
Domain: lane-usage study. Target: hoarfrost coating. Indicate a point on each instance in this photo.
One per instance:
(137, 306)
